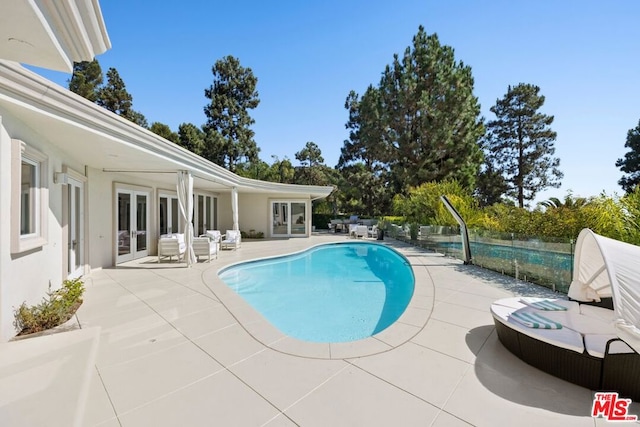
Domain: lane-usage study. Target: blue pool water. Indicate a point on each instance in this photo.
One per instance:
(330, 293)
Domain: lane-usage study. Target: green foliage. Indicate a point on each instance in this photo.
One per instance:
(630, 164)
(55, 309)
(164, 131)
(252, 234)
(430, 117)
(421, 124)
(364, 180)
(281, 171)
(228, 128)
(519, 144)
(86, 79)
(191, 137)
(617, 218)
(114, 96)
(490, 185)
(423, 204)
(313, 170)
(414, 228)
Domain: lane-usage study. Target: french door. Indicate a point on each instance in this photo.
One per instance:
(289, 218)
(75, 228)
(132, 228)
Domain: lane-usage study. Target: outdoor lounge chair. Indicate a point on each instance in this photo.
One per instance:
(171, 246)
(205, 247)
(373, 231)
(214, 236)
(231, 240)
(598, 344)
(361, 231)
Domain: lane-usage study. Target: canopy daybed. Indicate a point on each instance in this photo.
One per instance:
(592, 339)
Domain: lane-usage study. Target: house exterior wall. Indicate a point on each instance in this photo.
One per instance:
(253, 212)
(26, 277)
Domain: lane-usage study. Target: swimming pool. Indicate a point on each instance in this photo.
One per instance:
(330, 293)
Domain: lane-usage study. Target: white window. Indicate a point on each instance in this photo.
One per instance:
(29, 197)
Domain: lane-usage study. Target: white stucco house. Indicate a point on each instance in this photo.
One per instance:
(82, 188)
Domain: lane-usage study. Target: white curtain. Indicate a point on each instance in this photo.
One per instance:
(234, 207)
(185, 202)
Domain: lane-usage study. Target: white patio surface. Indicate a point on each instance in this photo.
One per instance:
(178, 348)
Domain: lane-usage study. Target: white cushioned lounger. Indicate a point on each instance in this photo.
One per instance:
(563, 338)
(597, 312)
(596, 345)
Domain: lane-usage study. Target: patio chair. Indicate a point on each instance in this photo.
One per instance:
(231, 240)
(171, 246)
(205, 247)
(214, 236)
(361, 231)
(373, 231)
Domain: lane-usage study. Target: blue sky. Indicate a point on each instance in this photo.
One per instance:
(307, 56)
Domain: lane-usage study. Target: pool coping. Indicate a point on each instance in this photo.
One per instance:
(410, 323)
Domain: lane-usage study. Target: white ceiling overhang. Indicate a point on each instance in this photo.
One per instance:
(93, 136)
(52, 34)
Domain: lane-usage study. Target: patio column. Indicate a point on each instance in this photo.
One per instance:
(185, 202)
(234, 207)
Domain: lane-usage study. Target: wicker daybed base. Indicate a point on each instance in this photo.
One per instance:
(578, 368)
(614, 372)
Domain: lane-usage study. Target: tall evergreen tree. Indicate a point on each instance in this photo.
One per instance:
(310, 155)
(282, 170)
(232, 94)
(164, 131)
(431, 116)
(86, 79)
(362, 157)
(114, 97)
(137, 118)
(630, 164)
(191, 137)
(520, 143)
(313, 171)
(490, 186)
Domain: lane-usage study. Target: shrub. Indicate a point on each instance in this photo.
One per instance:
(55, 309)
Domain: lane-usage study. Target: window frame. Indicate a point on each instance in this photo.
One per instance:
(23, 153)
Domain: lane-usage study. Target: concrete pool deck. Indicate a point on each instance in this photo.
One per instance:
(178, 348)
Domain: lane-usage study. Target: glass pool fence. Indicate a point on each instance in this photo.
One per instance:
(547, 262)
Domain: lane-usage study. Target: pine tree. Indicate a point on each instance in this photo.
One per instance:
(233, 93)
(86, 79)
(630, 164)
(431, 117)
(191, 137)
(310, 157)
(362, 158)
(520, 143)
(114, 96)
(164, 131)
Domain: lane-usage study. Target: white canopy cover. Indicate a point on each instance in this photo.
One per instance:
(605, 267)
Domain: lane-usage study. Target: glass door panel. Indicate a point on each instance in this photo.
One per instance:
(124, 224)
(141, 224)
(75, 221)
(168, 214)
(205, 215)
(298, 218)
(174, 217)
(280, 219)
